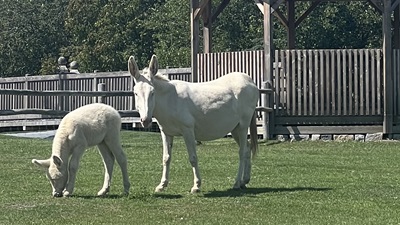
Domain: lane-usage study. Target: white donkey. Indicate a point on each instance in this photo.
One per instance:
(198, 111)
(94, 124)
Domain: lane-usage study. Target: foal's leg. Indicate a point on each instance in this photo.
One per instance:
(190, 142)
(243, 176)
(108, 161)
(114, 145)
(73, 169)
(167, 150)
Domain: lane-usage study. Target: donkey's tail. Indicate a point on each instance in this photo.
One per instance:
(253, 135)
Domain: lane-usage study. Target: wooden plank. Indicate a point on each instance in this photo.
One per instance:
(277, 82)
(124, 113)
(66, 93)
(367, 83)
(317, 83)
(356, 83)
(287, 59)
(333, 83)
(328, 129)
(297, 87)
(293, 82)
(345, 76)
(379, 82)
(327, 82)
(362, 82)
(322, 82)
(304, 83)
(324, 120)
(310, 86)
(340, 87)
(351, 82)
(373, 83)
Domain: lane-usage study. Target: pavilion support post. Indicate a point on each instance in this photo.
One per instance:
(387, 69)
(194, 21)
(207, 32)
(268, 65)
(291, 32)
(396, 28)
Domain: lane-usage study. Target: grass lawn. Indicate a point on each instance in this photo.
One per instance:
(292, 183)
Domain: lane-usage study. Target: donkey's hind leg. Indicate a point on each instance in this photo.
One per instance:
(244, 171)
(108, 160)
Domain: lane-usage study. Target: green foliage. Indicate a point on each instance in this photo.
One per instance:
(102, 34)
(292, 183)
(170, 26)
(30, 32)
(340, 25)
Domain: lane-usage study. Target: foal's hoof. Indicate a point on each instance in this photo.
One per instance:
(195, 190)
(57, 195)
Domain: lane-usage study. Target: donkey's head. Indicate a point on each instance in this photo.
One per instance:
(54, 172)
(144, 89)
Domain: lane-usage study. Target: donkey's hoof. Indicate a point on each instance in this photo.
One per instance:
(103, 192)
(159, 189)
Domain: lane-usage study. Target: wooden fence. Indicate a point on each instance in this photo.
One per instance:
(315, 91)
(330, 91)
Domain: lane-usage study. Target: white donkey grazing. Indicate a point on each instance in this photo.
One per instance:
(94, 124)
(198, 111)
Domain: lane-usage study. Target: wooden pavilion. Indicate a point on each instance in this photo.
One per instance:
(334, 91)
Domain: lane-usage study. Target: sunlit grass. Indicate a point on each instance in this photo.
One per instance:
(292, 183)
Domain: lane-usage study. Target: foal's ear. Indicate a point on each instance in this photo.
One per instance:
(153, 66)
(57, 161)
(42, 163)
(133, 68)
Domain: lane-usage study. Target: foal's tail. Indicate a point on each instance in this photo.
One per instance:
(253, 135)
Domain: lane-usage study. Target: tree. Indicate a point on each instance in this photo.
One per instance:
(31, 33)
(103, 34)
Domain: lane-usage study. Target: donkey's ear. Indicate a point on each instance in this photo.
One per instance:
(153, 66)
(133, 68)
(57, 161)
(42, 163)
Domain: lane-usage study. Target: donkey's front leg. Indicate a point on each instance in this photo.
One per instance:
(167, 150)
(190, 142)
(72, 170)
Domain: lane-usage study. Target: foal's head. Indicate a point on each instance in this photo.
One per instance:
(58, 179)
(144, 89)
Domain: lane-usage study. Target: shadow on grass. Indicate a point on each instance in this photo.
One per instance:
(114, 196)
(256, 191)
(131, 196)
(167, 196)
(267, 143)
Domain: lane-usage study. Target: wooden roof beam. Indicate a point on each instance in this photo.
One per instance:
(219, 9)
(376, 5)
(395, 4)
(307, 12)
(274, 6)
(199, 11)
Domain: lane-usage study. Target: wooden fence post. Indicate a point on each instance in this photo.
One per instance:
(101, 87)
(265, 102)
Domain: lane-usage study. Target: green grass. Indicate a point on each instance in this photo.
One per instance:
(292, 183)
